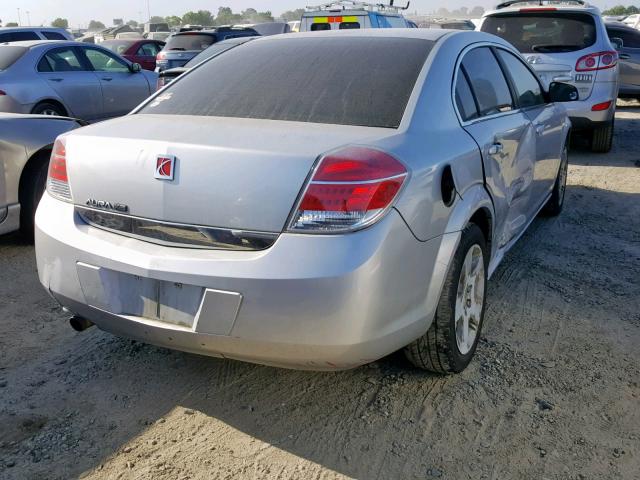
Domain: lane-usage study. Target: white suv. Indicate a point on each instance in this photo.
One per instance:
(566, 42)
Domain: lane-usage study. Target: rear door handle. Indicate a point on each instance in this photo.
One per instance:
(625, 56)
(56, 79)
(107, 79)
(495, 149)
(540, 128)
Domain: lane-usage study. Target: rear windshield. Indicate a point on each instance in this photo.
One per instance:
(342, 80)
(9, 55)
(542, 32)
(190, 41)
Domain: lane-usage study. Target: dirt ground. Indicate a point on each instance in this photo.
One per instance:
(554, 392)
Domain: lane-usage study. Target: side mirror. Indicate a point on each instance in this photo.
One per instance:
(562, 92)
(617, 43)
(135, 68)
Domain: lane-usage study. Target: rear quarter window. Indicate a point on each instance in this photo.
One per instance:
(18, 36)
(543, 32)
(53, 36)
(300, 79)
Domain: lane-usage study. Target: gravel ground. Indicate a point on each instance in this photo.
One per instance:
(554, 392)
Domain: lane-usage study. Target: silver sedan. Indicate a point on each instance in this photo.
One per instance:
(70, 79)
(321, 201)
(25, 148)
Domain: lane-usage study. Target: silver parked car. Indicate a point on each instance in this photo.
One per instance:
(319, 219)
(628, 41)
(25, 148)
(566, 42)
(70, 78)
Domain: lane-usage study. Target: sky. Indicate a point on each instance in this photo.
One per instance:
(80, 12)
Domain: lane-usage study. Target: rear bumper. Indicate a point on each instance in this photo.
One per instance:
(310, 302)
(9, 219)
(10, 105)
(580, 112)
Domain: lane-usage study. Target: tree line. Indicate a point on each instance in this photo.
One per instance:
(622, 10)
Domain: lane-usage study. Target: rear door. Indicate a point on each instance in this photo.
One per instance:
(122, 90)
(629, 58)
(77, 86)
(504, 134)
(146, 53)
(548, 123)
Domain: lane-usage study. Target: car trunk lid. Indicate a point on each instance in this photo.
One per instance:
(231, 173)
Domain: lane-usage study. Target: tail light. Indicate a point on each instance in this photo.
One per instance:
(601, 107)
(161, 55)
(58, 181)
(160, 83)
(597, 61)
(350, 189)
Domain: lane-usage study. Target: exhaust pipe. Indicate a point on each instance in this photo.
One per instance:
(80, 324)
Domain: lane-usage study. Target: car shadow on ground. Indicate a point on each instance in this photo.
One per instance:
(95, 394)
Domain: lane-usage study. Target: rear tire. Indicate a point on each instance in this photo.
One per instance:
(47, 108)
(444, 348)
(555, 203)
(34, 187)
(602, 138)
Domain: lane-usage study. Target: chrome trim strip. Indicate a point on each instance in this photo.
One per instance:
(178, 235)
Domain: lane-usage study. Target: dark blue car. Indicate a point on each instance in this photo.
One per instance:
(182, 47)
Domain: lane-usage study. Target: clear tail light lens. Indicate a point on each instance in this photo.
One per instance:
(160, 83)
(58, 181)
(597, 61)
(350, 189)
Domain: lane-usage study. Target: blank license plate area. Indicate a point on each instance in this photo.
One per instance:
(132, 295)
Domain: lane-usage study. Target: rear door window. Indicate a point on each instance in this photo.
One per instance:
(18, 36)
(487, 82)
(629, 38)
(60, 60)
(148, 50)
(369, 83)
(464, 98)
(543, 32)
(318, 27)
(526, 85)
(349, 26)
(53, 36)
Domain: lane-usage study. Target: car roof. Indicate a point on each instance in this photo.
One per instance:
(214, 31)
(31, 29)
(620, 25)
(37, 43)
(515, 6)
(420, 33)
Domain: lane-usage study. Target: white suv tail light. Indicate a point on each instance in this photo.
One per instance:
(58, 181)
(350, 189)
(597, 61)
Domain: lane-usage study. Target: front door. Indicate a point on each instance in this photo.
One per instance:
(122, 90)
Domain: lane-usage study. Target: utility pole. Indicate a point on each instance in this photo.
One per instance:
(28, 19)
(148, 11)
(19, 21)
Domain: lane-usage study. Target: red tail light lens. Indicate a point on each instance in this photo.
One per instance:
(58, 181)
(600, 107)
(349, 190)
(597, 61)
(161, 55)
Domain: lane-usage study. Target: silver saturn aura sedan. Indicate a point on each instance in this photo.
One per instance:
(321, 201)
